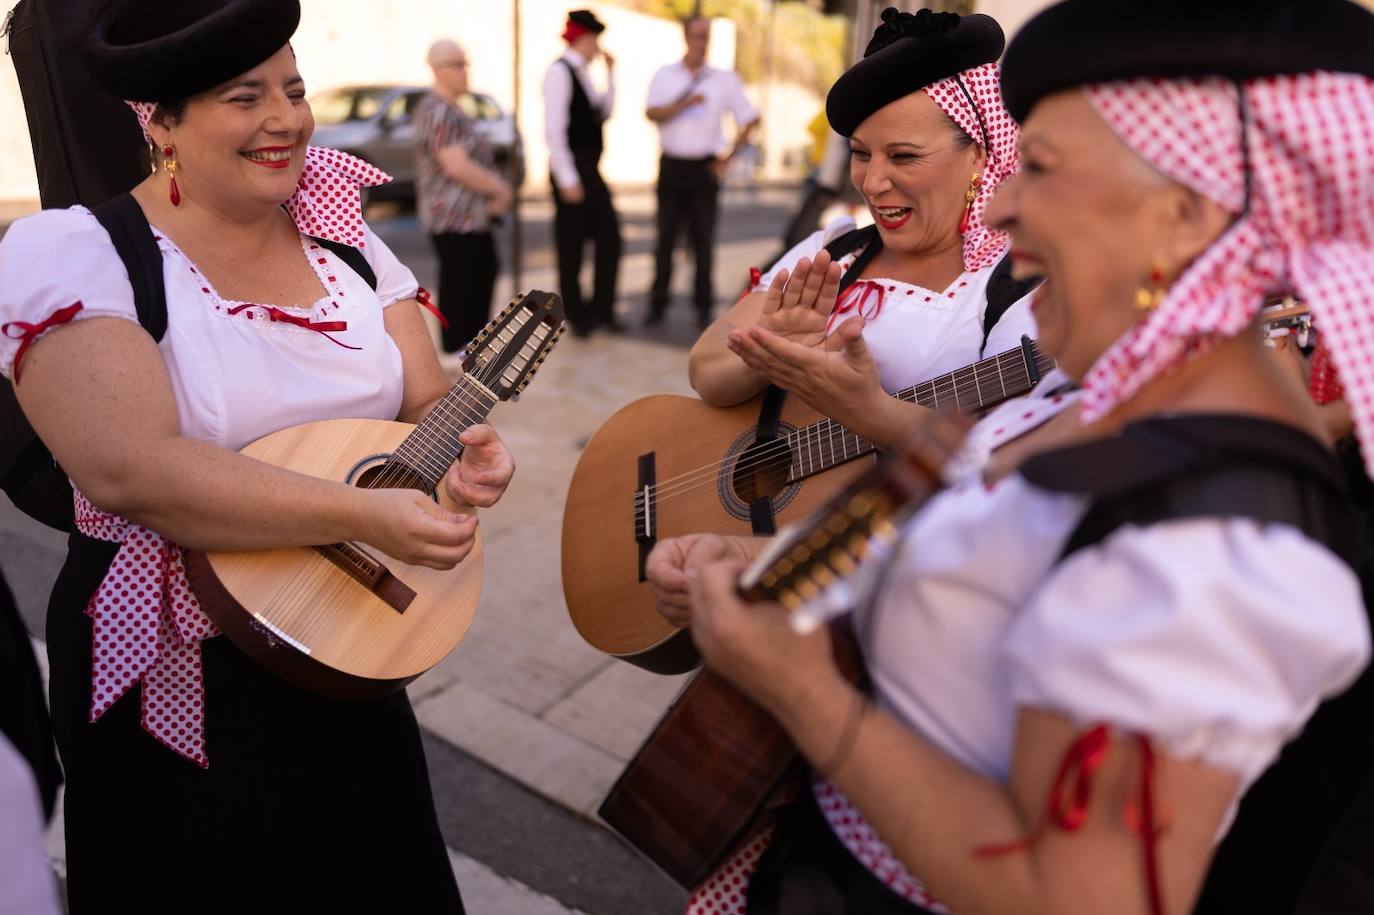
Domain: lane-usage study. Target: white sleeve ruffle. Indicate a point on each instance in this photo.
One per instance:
(51, 261)
(1216, 639)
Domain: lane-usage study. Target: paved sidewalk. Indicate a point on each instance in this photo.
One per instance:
(527, 726)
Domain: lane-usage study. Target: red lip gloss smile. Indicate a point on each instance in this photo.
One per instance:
(891, 224)
(276, 163)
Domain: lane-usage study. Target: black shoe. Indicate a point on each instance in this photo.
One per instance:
(613, 327)
(655, 315)
(580, 331)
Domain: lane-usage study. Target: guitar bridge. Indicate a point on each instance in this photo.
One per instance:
(646, 505)
(370, 572)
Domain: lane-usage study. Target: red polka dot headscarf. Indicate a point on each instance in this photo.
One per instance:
(1294, 160)
(973, 100)
(328, 199)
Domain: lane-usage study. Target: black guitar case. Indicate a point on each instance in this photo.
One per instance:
(87, 148)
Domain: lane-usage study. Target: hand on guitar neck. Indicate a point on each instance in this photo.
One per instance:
(411, 526)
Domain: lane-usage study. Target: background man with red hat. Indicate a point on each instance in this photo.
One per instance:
(574, 112)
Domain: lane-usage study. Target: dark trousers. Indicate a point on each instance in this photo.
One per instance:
(574, 224)
(467, 276)
(687, 192)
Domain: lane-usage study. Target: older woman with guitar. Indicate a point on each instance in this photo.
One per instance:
(1082, 656)
(197, 781)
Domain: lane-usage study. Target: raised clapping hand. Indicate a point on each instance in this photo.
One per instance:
(796, 307)
(675, 562)
(837, 376)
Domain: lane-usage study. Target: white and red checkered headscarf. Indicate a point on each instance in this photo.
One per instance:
(992, 127)
(328, 199)
(1305, 227)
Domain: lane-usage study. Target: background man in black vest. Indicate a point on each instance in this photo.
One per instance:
(574, 112)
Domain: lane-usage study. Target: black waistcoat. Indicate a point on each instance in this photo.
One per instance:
(584, 120)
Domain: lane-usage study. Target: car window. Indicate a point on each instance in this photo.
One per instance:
(397, 111)
(480, 107)
(332, 107)
(369, 103)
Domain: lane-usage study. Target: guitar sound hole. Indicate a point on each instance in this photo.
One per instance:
(392, 476)
(761, 472)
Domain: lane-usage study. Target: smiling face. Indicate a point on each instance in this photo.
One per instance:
(1094, 219)
(914, 167)
(241, 146)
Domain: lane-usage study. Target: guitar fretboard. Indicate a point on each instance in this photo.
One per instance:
(826, 444)
(432, 447)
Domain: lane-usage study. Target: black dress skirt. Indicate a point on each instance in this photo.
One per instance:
(309, 805)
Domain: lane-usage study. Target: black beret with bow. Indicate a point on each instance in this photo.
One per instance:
(1081, 42)
(909, 52)
(161, 50)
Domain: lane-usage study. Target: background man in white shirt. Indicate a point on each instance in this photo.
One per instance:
(574, 112)
(688, 100)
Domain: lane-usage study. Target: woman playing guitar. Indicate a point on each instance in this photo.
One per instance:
(1082, 660)
(931, 142)
(196, 780)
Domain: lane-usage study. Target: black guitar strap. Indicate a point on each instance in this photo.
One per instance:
(774, 397)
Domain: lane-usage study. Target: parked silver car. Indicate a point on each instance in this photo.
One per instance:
(374, 123)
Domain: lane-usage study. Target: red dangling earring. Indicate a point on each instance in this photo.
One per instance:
(972, 195)
(169, 153)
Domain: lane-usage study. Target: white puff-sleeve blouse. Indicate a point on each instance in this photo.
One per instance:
(238, 370)
(1196, 633)
(914, 333)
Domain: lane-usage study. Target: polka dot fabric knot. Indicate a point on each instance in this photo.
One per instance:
(726, 891)
(328, 200)
(983, 247)
(1305, 228)
(147, 627)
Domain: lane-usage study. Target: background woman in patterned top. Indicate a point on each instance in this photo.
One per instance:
(459, 192)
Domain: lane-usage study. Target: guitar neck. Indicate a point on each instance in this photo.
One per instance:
(433, 446)
(825, 444)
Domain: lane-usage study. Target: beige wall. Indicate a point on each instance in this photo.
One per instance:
(359, 41)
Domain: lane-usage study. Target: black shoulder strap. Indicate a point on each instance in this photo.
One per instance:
(1004, 291)
(866, 238)
(774, 397)
(354, 258)
(133, 240)
(1219, 466)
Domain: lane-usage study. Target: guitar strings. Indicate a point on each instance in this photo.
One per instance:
(458, 407)
(946, 384)
(776, 454)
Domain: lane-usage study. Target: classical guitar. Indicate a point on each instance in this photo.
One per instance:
(345, 619)
(710, 768)
(665, 466)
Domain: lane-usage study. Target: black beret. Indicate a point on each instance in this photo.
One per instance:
(909, 52)
(1080, 42)
(587, 19)
(161, 50)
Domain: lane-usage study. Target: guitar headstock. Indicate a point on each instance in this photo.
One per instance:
(507, 352)
(805, 567)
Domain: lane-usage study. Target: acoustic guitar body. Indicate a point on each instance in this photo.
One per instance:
(303, 616)
(706, 470)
